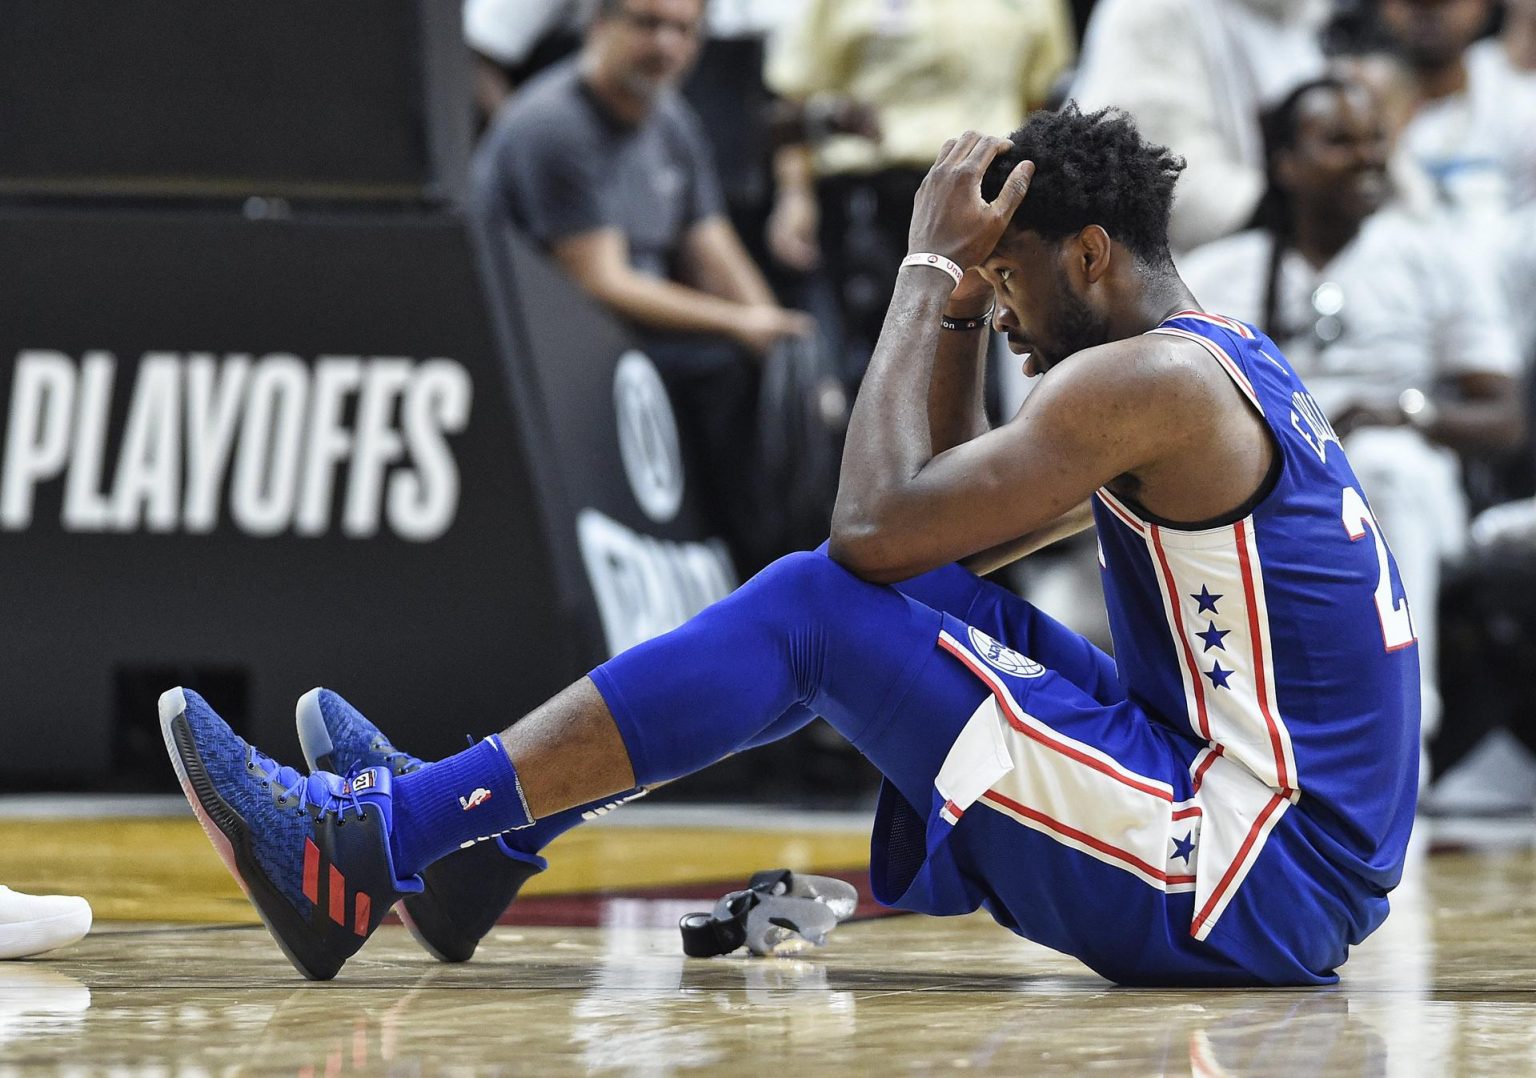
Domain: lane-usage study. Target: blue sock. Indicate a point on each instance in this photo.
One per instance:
(465, 797)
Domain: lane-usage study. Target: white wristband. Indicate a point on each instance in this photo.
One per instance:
(938, 262)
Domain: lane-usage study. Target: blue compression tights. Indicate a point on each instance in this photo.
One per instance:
(802, 638)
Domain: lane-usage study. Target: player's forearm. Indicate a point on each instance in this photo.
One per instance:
(1068, 524)
(889, 439)
(956, 391)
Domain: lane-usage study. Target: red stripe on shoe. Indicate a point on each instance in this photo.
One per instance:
(311, 870)
(338, 896)
(362, 907)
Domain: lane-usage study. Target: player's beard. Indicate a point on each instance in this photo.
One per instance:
(1074, 327)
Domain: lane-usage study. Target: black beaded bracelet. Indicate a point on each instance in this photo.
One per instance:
(965, 325)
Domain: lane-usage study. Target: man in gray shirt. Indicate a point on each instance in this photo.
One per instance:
(601, 161)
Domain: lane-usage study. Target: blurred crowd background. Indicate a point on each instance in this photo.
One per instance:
(734, 178)
(495, 336)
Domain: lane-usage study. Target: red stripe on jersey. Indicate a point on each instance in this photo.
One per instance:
(1008, 706)
(1237, 863)
(1073, 833)
(1282, 774)
(1198, 686)
(311, 870)
(1121, 512)
(1184, 814)
(338, 896)
(1205, 765)
(1219, 319)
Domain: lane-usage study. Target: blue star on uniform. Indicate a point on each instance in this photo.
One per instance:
(1183, 847)
(1212, 637)
(1206, 600)
(1218, 676)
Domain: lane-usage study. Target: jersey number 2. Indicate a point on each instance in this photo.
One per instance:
(1396, 622)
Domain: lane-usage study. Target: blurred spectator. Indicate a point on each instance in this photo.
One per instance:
(1474, 131)
(1518, 240)
(515, 39)
(742, 119)
(599, 160)
(1403, 340)
(1386, 75)
(929, 69)
(1196, 74)
(1484, 751)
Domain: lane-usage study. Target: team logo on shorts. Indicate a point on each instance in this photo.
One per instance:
(1005, 659)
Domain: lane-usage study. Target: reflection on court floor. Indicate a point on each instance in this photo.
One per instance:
(1447, 986)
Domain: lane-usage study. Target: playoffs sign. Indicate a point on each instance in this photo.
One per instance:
(273, 444)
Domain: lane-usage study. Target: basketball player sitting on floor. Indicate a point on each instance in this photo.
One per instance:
(1225, 803)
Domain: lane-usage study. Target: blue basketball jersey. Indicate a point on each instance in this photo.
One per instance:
(1281, 643)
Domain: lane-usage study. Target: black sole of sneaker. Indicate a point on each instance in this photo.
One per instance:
(230, 835)
(436, 917)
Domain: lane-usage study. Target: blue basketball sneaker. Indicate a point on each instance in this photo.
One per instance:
(464, 893)
(312, 853)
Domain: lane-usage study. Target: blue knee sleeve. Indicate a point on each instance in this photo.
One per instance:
(803, 634)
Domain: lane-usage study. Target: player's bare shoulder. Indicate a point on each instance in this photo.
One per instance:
(1151, 379)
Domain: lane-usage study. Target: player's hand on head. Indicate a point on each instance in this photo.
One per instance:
(949, 216)
(971, 297)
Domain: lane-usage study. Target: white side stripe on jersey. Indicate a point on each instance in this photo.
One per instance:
(1032, 728)
(1212, 586)
(1067, 789)
(1239, 815)
(1211, 583)
(1263, 657)
(1189, 670)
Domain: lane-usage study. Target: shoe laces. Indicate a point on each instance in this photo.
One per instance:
(399, 763)
(328, 794)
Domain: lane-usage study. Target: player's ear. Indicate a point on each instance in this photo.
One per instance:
(1095, 251)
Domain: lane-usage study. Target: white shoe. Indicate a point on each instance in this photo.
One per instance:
(32, 924)
(1498, 777)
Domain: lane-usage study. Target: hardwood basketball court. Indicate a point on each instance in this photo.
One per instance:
(178, 978)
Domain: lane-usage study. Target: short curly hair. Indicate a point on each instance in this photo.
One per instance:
(1092, 168)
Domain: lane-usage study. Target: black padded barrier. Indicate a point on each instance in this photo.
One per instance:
(379, 452)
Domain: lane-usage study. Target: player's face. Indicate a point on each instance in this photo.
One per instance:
(1434, 32)
(1339, 163)
(650, 44)
(1038, 304)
